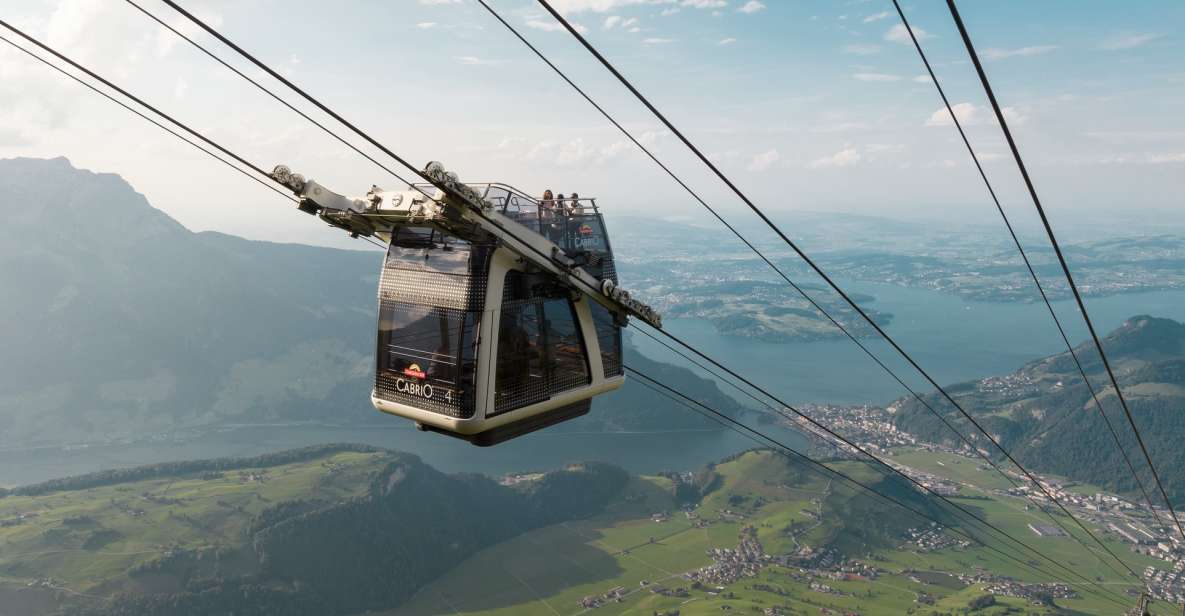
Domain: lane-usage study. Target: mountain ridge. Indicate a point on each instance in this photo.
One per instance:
(121, 323)
(1046, 417)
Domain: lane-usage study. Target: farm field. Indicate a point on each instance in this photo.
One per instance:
(551, 570)
(84, 542)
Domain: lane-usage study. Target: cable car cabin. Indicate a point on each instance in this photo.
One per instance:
(475, 342)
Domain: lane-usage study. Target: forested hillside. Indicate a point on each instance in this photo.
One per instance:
(1045, 415)
(320, 530)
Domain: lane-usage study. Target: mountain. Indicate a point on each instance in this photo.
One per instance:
(119, 322)
(333, 529)
(1044, 414)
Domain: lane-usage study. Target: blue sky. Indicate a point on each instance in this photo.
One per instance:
(807, 105)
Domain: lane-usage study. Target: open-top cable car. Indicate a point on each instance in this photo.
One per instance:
(494, 320)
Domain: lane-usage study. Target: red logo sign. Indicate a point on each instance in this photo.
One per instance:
(586, 230)
(415, 372)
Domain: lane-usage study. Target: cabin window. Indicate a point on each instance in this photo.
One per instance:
(520, 373)
(567, 359)
(608, 338)
(541, 351)
(427, 356)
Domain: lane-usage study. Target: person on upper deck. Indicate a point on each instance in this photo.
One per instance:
(546, 206)
(575, 208)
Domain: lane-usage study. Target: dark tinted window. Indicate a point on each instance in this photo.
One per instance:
(608, 338)
(520, 373)
(566, 356)
(426, 356)
(540, 348)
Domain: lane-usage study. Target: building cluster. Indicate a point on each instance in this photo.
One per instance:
(1164, 585)
(871, 427)
(1005, 586)
(615, 595)
(1015, 385)
(729, 565)
(930, 539)
(934, 483)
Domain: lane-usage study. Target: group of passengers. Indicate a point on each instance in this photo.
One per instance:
(550, 206)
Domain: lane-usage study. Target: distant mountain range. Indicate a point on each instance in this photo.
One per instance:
(119, 322)
(1043, 413)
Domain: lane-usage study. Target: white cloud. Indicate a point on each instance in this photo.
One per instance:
(611, 21)
(574, 153)
(1032, 50)
(862, 50)
(899, 34)
(876, 17)
(1122, 137)
(1160, 159)
(1127, 40)
(1145, 158)
(553, 26)
(843, 158)
(426, 25)
(970, 114)
(967, 113)
(876, 77)
(764, 160)
(752, 6)
(605, 6)
(654, 40)
(476, 61)
(727, 41)
(922, 79)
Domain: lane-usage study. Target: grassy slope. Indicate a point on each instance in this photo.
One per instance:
(547, 571)
(95, 553)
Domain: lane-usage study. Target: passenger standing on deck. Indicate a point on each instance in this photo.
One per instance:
(556, 223)
(574, 208)
(546, 209)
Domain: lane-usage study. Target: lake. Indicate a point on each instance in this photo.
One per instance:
(954, 338)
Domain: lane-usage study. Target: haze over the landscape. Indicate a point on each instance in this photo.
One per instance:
(809, 105)
(193, 368)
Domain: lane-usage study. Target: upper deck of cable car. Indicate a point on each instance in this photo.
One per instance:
(575, 224)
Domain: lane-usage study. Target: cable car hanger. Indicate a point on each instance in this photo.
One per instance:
(461, 211)
(484, 332)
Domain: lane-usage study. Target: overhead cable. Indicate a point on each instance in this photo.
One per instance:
(1024, 256)
(1061, 258)
(818, 270)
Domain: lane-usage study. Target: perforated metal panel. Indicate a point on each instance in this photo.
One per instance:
(542, 362)
(449, 279)
(454, 398)
(452, 284)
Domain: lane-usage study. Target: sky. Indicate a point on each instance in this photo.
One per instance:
(806, 105)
